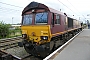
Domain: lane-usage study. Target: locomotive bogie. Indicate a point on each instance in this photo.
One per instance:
(38, 50)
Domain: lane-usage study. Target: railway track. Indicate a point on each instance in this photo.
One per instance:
(7, 56)
(9, 42)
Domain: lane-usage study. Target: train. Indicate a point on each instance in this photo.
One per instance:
(44, 29)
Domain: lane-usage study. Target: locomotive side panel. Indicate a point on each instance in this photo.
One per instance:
(75, 23)
(59, 27)
(70, 23)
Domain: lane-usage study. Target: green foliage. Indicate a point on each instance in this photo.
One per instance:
(15, 32)
(4, 29)
(17, 29)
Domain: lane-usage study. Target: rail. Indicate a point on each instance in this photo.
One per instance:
(6, 56)
(9, 42)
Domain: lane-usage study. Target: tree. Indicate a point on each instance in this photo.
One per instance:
(4, 30)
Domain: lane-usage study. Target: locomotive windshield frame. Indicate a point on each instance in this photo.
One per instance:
(41, 18)
(37, 18)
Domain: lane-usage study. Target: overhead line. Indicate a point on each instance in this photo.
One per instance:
(8, 12)
(67, 7)
(64, 5)
(8, 8)
(76, 9)
(11, 5)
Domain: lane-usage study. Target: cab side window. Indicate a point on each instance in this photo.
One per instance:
(57, 20)
(53, 18)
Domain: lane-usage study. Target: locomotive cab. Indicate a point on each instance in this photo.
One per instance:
(35, 27)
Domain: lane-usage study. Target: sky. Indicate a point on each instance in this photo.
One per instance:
(11, 10)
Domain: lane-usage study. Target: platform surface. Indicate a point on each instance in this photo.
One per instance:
(78, 49)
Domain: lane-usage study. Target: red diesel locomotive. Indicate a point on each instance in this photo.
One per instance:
(45, 29)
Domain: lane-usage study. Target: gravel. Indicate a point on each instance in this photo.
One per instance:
(18, 51)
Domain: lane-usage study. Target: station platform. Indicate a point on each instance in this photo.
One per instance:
(78, 49)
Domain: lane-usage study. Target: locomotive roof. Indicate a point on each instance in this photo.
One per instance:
(36, 5)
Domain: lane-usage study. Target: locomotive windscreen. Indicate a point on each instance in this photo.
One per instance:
(70, 22)
(27, 19)
(41, 18)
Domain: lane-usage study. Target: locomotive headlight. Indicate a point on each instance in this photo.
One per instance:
(24, 36)
(44, 37)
